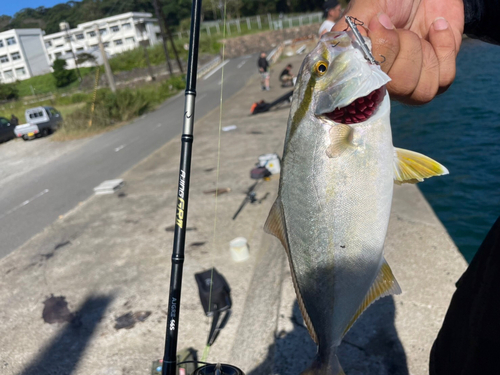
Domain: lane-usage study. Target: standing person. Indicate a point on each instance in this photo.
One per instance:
(263, 65)
(286, 76)
(332, 14)
(14, 120)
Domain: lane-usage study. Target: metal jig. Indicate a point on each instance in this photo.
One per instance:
(353, 23)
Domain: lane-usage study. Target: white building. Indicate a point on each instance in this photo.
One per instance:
(22, 55)
(118, 33)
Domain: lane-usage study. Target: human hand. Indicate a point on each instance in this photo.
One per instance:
(419, 39)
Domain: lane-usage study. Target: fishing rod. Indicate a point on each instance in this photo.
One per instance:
(169, 363)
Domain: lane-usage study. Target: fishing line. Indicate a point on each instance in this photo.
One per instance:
(207, 347)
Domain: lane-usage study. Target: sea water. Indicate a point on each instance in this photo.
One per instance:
(461, 130)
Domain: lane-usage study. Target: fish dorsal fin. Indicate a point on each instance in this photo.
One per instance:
(385, 284)
(275, 225)
(412, 167)
(340, 140)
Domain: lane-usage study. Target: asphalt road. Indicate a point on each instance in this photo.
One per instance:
(34, 200)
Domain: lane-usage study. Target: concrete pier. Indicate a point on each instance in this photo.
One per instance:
(110, 257)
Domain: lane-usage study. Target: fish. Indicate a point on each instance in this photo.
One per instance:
(338, 170)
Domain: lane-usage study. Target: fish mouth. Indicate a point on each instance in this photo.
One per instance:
(359, 110)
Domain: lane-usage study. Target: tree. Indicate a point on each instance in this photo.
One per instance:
(8, 91)
(63, 77)
(84, 57)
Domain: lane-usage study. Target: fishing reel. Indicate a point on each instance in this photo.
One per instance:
(218, 369)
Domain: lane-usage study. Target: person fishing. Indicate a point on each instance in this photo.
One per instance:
(286, 76)
(419, 41)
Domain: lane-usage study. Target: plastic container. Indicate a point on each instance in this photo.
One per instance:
(239, 249)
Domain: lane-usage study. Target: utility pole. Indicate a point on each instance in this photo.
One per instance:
(68, 38)
(163, 38)
(171, 39)
(107, 68)
(146, 56)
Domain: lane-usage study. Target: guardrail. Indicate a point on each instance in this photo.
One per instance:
(260, 22)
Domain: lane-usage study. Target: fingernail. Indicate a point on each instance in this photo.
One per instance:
(385, 21)
(440, 24)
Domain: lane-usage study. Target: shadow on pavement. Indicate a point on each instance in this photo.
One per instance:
(61, 356)
(372, 346)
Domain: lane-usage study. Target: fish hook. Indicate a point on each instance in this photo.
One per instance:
(353, 22)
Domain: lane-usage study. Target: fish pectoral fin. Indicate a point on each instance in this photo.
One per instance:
(275, 225)
(412, 167)
(385, 284)
(340, 140)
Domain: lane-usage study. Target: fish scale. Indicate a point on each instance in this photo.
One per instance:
(335, 193)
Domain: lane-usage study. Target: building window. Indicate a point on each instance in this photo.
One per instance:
(118, 42)
(11, 41)
(115, 29)
(79, 49)
(8, 74)
(103, 31)
(15, 56)
(1, 43)
(93, 45)
(79, 36)
(106, 44)
(91, 34)
(20, 72)
(48, 43)
(59, 46)
(68, 51)
(57, 54)
(4, 59)
(127, 25)
(130, 40)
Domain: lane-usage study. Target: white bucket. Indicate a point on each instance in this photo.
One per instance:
(239, 249)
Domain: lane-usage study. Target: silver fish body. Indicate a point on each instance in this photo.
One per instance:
(336, 187)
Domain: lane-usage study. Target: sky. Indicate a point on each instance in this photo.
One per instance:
(10, 7)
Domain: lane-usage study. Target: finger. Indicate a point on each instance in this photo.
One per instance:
(361, 10)
(442, 41)
(406, 69)
(385, 40)
(428, 83)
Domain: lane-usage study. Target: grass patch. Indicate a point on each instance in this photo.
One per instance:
(135, 58)
(114, 109)
(46, 83)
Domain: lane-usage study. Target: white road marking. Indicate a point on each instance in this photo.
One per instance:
(24, 203)
(216, 69)
(241, 63)
(119, 148)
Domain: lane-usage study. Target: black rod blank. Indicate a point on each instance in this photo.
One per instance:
(169, 366)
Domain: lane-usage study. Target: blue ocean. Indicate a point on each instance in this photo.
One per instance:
(461, 130)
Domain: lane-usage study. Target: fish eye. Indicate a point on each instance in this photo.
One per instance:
(321, 67)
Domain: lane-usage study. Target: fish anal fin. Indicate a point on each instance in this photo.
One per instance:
(275, 225)
(340, 140)
(412, 167)
(384, 285)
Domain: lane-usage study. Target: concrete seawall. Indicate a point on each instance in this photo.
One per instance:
(253, 43)
(110, 256)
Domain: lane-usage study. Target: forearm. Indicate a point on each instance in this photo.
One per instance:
(482, 20)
